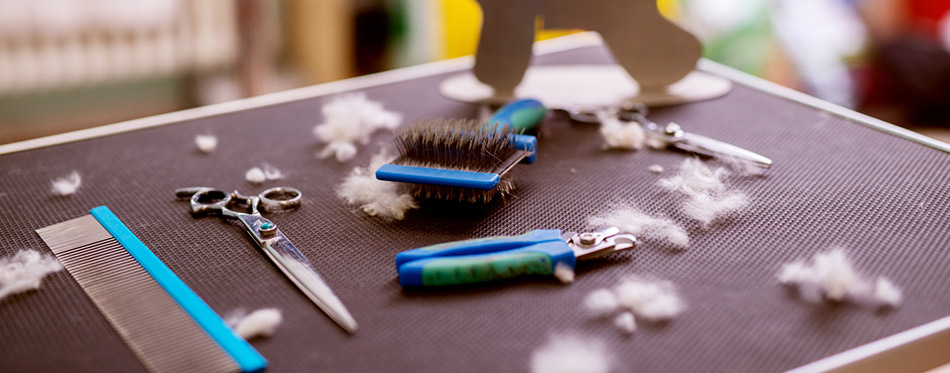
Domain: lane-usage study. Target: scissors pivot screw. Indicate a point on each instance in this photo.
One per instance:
(603, 241)
(588, 238)
(268, 229)
(673, 130)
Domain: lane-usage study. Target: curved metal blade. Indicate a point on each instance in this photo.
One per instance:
(603, 241)
(298, 270)
(714, 148)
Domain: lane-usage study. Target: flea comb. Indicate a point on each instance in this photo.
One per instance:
(465, 160)
(167, 326)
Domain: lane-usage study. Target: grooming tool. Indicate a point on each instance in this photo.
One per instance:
(520, 115)
(271, 240)
(465, 160)
(165, 324)
(502, 257)
(675, 137)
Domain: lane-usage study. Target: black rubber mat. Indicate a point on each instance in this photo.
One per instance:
(834, 183)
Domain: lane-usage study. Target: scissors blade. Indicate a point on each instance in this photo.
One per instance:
(692, 142)
(308, 281)
(297, 268)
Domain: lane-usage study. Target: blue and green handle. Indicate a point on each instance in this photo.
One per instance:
(484, 259)
(518, 117)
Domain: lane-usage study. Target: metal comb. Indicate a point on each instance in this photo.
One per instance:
(165, 324)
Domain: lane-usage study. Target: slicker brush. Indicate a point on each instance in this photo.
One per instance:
(465, 160)
(458, 144)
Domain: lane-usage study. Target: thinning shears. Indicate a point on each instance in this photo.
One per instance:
(277, 247)
(495, 258)
(673, 136)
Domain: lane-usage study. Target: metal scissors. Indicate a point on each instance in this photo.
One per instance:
(496, 258)
(277, 247)
(672, 135)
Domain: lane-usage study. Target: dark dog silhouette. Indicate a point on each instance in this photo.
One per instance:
(653, 50)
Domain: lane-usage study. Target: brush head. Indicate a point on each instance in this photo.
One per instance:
(457, 144)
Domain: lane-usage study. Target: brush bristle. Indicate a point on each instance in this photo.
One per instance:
(446, 193)
(455, 144)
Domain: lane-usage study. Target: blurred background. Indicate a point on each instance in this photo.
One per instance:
(73, 64)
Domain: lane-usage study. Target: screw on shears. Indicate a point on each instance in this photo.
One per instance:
(600, 242)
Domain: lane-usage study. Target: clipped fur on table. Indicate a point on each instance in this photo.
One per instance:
(629, 219)
(260, 323)
(375, 197)
(206, 143)
(831, 276)
(25, 271)
(564, 273)
(567, 353)
(349, 119)
(67, 186)
(619, 134)
(257, 175)
(709, 196)
(646, 299)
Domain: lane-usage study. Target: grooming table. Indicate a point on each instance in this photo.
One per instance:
(839, 179)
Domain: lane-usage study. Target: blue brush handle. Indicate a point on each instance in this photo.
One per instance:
(437, 176)
(527, 143)
(484, 259)
(519, 115)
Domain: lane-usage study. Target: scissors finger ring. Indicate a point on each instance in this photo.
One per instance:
(280, 198)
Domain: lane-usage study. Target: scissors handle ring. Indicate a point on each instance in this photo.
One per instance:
(280, 198)
(209, 200)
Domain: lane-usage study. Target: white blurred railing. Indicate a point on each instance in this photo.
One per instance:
(48, 45)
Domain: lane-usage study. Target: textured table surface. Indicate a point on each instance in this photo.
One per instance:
(834, 183)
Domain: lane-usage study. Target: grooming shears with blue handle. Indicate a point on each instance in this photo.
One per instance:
(496, 258)
(273, 242)
(672, 135)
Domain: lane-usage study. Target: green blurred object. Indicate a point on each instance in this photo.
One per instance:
(739, 39)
